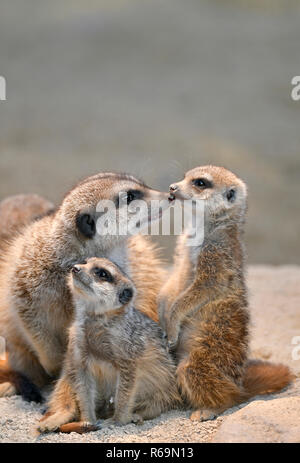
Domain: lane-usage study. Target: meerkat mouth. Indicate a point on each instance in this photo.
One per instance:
(171, 197)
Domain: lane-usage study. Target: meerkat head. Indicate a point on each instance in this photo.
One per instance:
(101, 208)
(222, 191)
(101, 284)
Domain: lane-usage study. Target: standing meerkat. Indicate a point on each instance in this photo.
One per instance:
(35, 302)
(115, 351)
(203, 306)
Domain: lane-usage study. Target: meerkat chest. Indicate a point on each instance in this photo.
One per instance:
(99, 340)
(102, 370)
(190, 263)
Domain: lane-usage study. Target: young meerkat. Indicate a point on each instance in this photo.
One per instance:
(115, 351)
(35, 302)
(203, 306)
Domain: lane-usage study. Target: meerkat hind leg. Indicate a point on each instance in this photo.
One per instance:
(62, 408)
(207, 389)
(149, 412)
(53, 422)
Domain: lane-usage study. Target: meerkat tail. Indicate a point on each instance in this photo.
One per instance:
(265, 378)
(13, 382)
(80, 427)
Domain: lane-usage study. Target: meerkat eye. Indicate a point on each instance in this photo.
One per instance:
(127, 197)
(133, 195)
(202, 183)
(103, 274)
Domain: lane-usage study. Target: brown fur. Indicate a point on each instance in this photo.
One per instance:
(203, 306)
(265, 377)
(36, 308)
(12, 382)
(18, 211)
(8, 379)
(15, 213)
(114, 351)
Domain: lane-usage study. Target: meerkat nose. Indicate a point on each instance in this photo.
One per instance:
(76, 269)
(173, 187)
(125, 295)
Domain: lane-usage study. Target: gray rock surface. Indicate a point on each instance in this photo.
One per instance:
(274, 419)
(275, 309)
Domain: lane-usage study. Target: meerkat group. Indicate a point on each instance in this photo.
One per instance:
(36, 306)
(85, 330)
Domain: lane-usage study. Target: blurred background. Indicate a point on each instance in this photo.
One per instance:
(156, 87)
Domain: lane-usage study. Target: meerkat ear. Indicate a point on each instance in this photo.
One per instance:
(86, 225)
(231, 194)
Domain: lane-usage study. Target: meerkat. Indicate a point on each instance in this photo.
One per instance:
(35, 302)
(203, 305)
(18, 211)
(15, 213)
(115, 351)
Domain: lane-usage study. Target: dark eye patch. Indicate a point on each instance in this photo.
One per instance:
(86, 225)
(103, 274)
(132, 195)
(202, 183)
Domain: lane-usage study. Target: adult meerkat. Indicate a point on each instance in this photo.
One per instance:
(203, 306)
(15, 213)
(115, 351)
(35, 302)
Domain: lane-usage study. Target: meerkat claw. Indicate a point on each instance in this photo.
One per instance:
(172, 345)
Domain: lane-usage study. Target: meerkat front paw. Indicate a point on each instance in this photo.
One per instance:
(172, 345)
(173, 338)
(161, 314)
(106, 423)
(137, 419)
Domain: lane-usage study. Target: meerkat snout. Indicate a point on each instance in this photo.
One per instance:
(76, 269)
(172, 189)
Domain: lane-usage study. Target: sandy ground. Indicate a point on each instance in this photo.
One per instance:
(275, 301)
